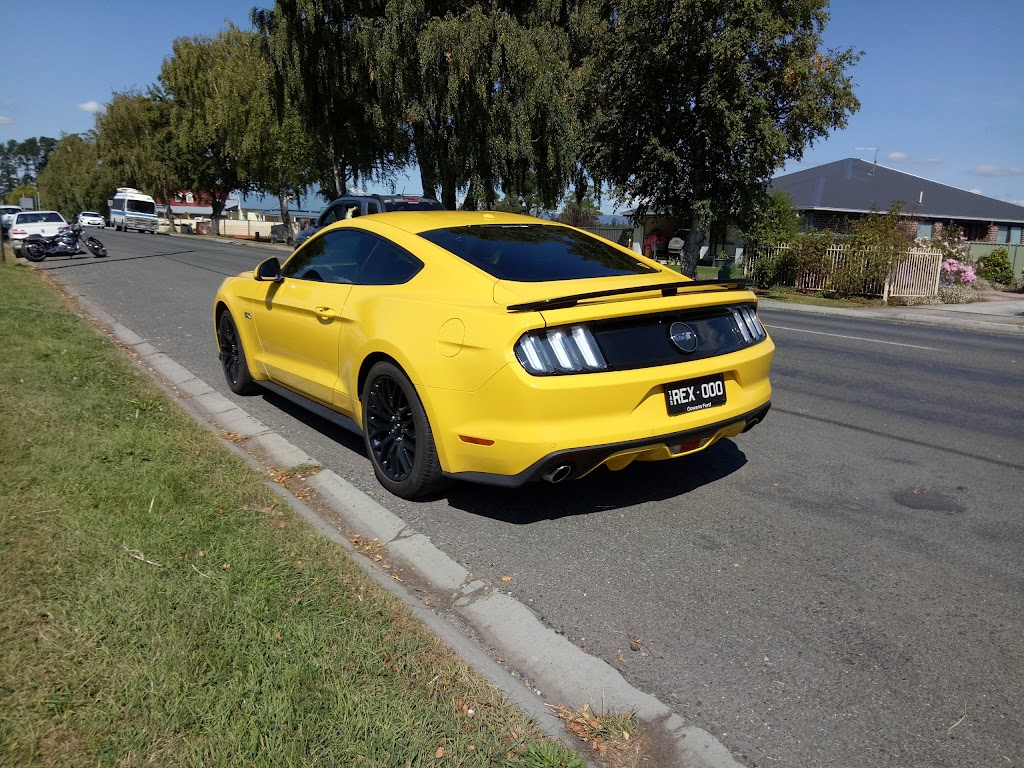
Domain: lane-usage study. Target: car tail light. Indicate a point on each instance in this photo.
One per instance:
(750, 328)
(18, 231)
(565, 349)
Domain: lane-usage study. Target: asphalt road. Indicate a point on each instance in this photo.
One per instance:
(842, 586)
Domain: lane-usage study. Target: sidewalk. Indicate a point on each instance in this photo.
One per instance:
(1001, 315)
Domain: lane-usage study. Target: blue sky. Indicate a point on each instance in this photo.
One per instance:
(941, 83)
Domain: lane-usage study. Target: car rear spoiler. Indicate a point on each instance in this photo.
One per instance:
(667, 289)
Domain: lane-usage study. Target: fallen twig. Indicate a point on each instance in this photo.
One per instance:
(954, 725)
(204, 575)
(139, 556)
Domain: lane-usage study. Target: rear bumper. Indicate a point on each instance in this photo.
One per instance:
(577, 462)
(517, 427)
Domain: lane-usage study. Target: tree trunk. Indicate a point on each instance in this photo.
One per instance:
(282, 197)
(469, 204)
(449, 191)
(691, 250)
(427, 178)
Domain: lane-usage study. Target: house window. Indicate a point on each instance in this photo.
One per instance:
(924, 230)
(189, 198)
(1008, 234)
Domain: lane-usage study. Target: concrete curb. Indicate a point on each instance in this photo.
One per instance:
(564, 672)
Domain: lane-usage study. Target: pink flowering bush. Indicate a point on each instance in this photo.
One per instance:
(956, 272)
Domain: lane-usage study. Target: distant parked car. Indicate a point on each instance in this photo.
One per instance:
(7, 215)
(90, 219)
(25, 223)
(351, 206)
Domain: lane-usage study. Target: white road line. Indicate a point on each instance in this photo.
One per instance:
(857, 338)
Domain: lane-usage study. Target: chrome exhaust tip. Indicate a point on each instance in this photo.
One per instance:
(751, 424)
(558, 474)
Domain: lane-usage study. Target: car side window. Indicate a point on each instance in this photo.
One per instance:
(388, 265)
(372, 207)
(330, 216)
(333, 257)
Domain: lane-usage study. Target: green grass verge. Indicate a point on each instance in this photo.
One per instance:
(159, 606)
(794, 296)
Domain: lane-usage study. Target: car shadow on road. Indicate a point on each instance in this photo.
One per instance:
(600, 491)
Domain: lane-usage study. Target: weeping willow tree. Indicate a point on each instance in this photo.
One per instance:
(481, 96)
(323, 59)
(133, 139)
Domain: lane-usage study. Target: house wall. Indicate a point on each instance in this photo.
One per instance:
(841, 223)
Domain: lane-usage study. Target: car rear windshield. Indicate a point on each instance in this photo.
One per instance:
(412, 204)
(41, 217)
(536, 253)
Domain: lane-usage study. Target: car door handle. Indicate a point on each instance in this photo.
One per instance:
(325, 312)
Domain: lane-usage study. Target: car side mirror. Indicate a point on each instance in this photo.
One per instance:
(269, 270)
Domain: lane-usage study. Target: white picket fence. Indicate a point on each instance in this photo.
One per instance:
(917, 274)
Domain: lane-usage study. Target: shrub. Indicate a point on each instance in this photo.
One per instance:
(957, 293)
(955, 272)
(996, 267)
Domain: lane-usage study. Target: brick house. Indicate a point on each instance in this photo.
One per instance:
(830, 196)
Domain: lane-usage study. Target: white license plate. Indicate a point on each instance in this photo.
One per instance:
(695, 394)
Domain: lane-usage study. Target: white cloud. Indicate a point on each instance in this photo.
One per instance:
(995, 170)
(897, 157)
(931, 161)
(90, 106)
(975, 191)
(5, 120)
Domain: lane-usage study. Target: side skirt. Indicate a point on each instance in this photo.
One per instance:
(313, 407)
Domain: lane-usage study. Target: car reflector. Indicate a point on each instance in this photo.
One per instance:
(475, 440)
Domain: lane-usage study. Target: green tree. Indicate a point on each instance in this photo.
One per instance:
(22, 161)
(22, 190)
(133, 141)
(276, 155)
(479, 94)
(579, 214)
(322, 54)
(774, 220)
(73, 179)
(701, 102)
(207, 113)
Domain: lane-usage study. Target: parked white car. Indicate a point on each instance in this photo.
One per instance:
(90, 219)
(7, 215)
(45, 223)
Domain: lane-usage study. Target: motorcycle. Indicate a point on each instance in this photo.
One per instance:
(64, 243)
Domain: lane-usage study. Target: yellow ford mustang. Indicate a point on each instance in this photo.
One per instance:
(495, 348)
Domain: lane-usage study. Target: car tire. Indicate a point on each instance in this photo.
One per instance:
(398, 437)
(232, 357)
(96, 248)
(33, 251)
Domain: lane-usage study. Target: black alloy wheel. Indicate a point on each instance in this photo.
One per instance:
(398, 437)
(232, 357)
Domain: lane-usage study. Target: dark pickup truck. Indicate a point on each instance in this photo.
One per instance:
(350, 206)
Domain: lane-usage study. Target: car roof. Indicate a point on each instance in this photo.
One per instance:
(416, 222)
